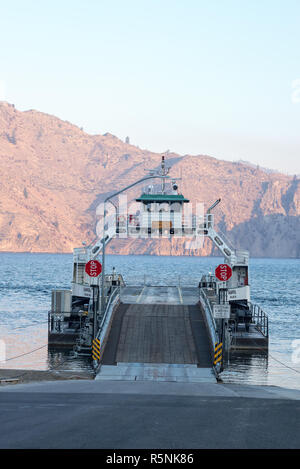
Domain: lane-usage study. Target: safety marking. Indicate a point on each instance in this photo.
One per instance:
(140, 295)
(180, 295)
(96, 349)
(218, 352)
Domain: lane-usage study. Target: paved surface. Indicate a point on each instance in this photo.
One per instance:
(91, 414)
(172, 295)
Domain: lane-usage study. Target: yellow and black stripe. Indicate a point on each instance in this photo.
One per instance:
(218, 352)
(96, 349)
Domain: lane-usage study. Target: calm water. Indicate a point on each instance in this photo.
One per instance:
(26, 281)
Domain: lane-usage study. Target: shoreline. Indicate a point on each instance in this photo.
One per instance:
(22, 376)
(141, 255)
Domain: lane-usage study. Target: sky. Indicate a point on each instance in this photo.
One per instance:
(217, 77)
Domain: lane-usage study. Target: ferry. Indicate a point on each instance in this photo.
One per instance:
(121, 326)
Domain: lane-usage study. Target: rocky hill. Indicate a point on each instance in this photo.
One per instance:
(54, 175)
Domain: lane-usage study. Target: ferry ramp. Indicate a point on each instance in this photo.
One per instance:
(157, 333)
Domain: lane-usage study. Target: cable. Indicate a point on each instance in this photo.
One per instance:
(276, 359)
(18, 356)
(287, 366)
(28, 371)
(29, 325)
(27, 353)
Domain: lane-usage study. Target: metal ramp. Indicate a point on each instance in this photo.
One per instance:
(156, 372)
(159, 294)
(160, 342)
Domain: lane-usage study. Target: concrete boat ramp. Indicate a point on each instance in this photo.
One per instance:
(148, 414)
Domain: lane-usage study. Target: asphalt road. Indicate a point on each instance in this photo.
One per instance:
(40, 417)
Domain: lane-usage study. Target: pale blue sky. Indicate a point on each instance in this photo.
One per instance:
(192, 76)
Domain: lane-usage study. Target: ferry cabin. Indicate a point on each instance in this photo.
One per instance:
(160, 213)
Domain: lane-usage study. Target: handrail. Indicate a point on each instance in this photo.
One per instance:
(260, 319)
(111, 298)
(56, 323)
(226, 239)
(184, 281)
(210, 320)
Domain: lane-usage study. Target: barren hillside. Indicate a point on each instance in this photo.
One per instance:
(53, 175)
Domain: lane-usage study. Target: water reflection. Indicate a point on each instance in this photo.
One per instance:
(62, 359)
(248, 367)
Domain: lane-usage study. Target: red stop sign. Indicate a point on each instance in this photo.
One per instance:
(93, 268)
(223, 272)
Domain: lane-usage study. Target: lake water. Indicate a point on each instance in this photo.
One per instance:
(26, 281)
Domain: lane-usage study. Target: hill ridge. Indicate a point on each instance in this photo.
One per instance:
(54, 174)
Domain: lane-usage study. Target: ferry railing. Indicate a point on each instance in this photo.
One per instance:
(226, 239)
(105, 321)
(260, 319)
(112, 297)
(58, 325)
(209, 315)
(175, 281)
(82, 341)
(242, 257)
(210, 321)
(79, 254)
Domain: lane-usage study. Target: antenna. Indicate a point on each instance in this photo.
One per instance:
(164, 172)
